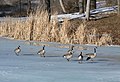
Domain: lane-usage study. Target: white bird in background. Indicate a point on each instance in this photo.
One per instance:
(42, 52)
(91, 55)
(17, 50)
(80, 58)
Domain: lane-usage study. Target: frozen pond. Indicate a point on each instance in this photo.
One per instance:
(30, 67)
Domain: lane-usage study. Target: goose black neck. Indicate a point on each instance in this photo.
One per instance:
(43, 47)
(18, 47)
(94, 50)
(81, 53)
(72, 47)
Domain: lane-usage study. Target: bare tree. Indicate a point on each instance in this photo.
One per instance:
(20, 3)
(48, 8)
(84, 3)
(29, 7)
(88, 10)
(62, 5)
(118, 6)
(81, 6)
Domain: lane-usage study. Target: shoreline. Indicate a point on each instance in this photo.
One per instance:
(38, 43)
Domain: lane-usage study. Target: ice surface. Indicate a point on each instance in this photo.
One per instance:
(30, 67)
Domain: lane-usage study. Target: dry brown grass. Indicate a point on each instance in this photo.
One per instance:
(80, 34)
(37, 27)
(16, 29)
(110, 26)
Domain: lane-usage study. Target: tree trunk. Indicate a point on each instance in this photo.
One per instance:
(62, 6)
(88, 10)
(20, 8)
(81, 6)
(48, 8)
(84, 3)
(29, 7)
(118, 7)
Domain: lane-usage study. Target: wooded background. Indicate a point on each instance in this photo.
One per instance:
(23, 7)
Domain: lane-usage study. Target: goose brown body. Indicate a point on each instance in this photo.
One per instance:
(42, 52)
(91, 55)
(68, 56)
(17, 50)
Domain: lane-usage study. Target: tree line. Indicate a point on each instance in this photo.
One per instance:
(82, 5)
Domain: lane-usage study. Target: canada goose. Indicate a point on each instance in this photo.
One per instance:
(17, 50)
(91, 55)
(80, 58)
(71, 49)
(68, 56)
(42, 52)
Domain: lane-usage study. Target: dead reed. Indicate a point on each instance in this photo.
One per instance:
(37, 27)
